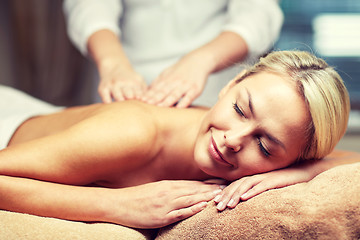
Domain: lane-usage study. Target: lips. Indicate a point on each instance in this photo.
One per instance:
(216, 154)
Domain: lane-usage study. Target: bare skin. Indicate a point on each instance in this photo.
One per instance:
(100, 162)
(78, 167)
(149, 159)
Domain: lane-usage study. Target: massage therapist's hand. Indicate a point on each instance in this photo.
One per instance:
(250, 186)
(118, 79)
(119, 82)
(181, 83)
(158, 204)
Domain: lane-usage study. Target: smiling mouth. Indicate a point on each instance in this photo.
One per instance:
(216, 154)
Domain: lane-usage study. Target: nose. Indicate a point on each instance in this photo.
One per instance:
(236, 139)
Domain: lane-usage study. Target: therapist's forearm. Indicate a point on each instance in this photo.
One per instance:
(225, 50)
(105, 48)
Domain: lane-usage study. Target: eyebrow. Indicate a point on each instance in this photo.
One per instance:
(250, 103)
(269, 136)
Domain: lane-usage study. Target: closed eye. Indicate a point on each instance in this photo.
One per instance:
(238, 110)
(262, 148)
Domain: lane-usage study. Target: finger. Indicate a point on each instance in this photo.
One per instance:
(223, 199)
(234, 201)
(188, 99)
(149, 95)
(128, 92)
(217, 181)
(156, 96)
(231, 195)
(139, 92)
(181, 214)
(171, 98)
(105, 95)
(118, 95)
(159, 91)
(199, 188)
(187, 201)
(151, 92)
(257, 189)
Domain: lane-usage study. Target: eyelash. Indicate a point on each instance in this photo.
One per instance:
(238, 110)
(262, 148)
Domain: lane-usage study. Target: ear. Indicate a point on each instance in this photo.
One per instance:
(230, 84)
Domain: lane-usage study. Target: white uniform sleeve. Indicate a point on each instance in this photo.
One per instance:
(259, 22)
(85, 17)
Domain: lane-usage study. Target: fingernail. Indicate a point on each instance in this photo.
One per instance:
(217, 198)
(244, 195)
(231, 202)
(203, 204)
(220, 206)
(217, 191)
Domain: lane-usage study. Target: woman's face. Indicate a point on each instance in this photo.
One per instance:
(257, 125)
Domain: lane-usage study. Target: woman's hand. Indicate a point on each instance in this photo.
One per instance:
(158, 204)
(250, 186)
(118, 82)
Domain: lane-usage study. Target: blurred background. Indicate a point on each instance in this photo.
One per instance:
(37, 57)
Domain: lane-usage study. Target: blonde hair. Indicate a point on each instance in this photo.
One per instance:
(323, 90)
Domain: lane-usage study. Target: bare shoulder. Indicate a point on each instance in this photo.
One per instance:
(129, 123)
(107, 140)
(131, 115)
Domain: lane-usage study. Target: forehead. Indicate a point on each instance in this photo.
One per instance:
(278, 106)
(273, 91)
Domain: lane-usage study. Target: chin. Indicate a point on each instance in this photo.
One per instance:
(204, 164)
(215, 172)
(204, 161)
(210, 169)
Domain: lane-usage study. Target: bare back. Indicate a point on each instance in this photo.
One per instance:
(40, 126)
(114, 145)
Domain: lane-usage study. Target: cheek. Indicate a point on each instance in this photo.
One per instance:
(266, 165)
(221, 118)
(251, 164)
(200, 149)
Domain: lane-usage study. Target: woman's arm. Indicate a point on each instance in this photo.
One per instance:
(145, 206)
(250, 186)
(51, 199)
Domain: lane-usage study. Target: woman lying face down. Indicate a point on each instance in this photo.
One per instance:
(144, 166)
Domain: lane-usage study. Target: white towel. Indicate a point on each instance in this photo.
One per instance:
(15, 108)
